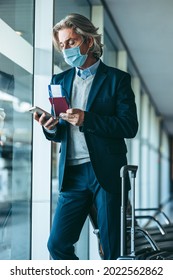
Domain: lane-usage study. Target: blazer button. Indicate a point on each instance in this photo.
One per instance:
(90, 130)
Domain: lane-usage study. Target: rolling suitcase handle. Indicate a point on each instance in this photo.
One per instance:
(123, 173)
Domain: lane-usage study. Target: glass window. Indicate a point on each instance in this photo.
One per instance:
(15, 153)
(154, 140)
(18, 15)
(111, 41)
(144, 164)
(109, 55)
(165, 168)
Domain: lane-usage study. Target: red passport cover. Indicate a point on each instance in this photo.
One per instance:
(59, 104)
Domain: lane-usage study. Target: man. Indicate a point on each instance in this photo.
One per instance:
(102, 113)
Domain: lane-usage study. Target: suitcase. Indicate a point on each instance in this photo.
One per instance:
(93, 213)
(129, 250)
(144, 247)
(125, 170)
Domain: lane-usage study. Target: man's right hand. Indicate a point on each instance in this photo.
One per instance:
(47, 123)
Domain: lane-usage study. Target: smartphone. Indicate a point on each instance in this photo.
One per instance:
(40, 111)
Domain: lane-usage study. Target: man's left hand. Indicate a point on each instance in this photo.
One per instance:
(73, 116)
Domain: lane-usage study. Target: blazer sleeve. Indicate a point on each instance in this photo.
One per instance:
(124, 123)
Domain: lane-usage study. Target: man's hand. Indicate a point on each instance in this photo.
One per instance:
(47, 123)
(73, 116)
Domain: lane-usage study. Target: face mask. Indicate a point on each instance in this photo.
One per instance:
(73, 56)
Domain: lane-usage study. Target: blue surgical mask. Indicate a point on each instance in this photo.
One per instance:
(73, 56)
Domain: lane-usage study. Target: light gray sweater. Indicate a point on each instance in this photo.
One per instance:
(77, 152)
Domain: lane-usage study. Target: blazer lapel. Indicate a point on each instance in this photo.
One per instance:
(97, 82)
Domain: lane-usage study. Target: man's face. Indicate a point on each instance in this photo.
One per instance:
(69, 39)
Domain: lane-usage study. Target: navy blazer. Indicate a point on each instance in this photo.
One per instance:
(110, 116)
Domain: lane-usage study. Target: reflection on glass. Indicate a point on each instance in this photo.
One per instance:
(15, 165)
(15, 151)
(18, 15)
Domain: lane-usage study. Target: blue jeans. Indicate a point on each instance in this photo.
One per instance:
(80, 191)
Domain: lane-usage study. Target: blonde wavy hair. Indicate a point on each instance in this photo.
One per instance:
(82, 26)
